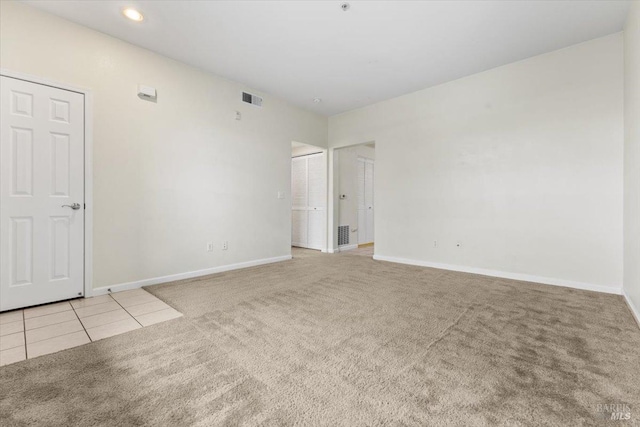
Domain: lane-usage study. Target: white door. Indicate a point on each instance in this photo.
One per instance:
(299, 197)
(308, 201)
(365, 201)
(42, 194)
(316, 177)
(368, 199)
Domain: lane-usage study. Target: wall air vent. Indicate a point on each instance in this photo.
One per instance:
(343, 235)
(252, 99)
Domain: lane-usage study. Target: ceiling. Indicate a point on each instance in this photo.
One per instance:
(301, 50)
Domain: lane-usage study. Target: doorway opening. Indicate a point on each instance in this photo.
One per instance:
(355, 167)
(308, 197)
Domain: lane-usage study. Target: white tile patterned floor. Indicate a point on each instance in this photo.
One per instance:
(33, 332)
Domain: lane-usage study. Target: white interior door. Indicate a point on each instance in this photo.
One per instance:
(365, 200)
(299, 201)
(308, 201)
(316, 177)
(42, 177)
(362, 207)
(368, 199)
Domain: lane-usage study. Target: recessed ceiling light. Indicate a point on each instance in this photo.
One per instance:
(317, 100)
(133, 14)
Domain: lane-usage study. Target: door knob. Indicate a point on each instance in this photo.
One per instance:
(74, 206)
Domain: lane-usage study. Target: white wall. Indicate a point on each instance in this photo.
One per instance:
(171, 176)
(632, 158)
(348, 185)
(522, 164)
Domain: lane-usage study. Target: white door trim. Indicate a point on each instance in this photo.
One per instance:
(88, 166)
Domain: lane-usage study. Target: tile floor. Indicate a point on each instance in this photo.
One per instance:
(32, 332)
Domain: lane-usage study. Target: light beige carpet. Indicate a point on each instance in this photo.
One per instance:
(342, 340)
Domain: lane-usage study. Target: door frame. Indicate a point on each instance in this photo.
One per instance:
(326, 246)
(321, 152)
(88, 166)
(333, 206)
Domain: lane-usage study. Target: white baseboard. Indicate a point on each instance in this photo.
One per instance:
(347, 248)
(188, 275)
(634, 310)
(505, 275)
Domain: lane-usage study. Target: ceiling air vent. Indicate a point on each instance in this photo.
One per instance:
(251, 99)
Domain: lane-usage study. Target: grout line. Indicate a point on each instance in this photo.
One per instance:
(96, 314)
(8, 323)
(46, 314)
(92, 305)
(140, 303)
(141, 325)
(44, 326)
(108, 323)
(24, 330)
(155, 311)
(57, 336)
(146, 302)
(81, 324)
(10, 312)
(11, 348)
(56, 312)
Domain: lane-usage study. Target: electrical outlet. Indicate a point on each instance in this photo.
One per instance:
(210, 247)
(435, 243)
(225, 245)
(280, 194)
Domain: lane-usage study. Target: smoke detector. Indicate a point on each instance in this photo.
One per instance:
(345, 6)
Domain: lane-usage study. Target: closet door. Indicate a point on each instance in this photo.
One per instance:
(308, 201)
(362, 207)
(368, 199)
(365, 201)
(316, 177)
(299, 198)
